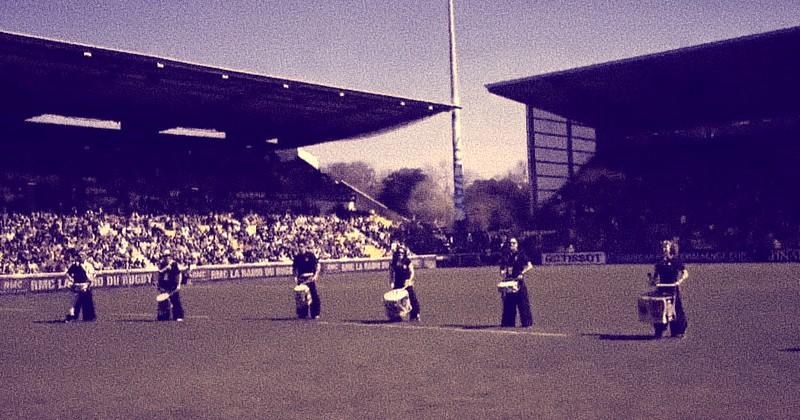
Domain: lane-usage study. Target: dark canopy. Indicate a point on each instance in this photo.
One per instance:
(738, 79)
(40, 76)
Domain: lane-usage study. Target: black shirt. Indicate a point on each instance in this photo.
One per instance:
(401, 269)
(305, 263)
(169, 275)
(668, 269)
(514, 263)
(77, 273)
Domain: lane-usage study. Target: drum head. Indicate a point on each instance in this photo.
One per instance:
(511, 286)
(395, 295)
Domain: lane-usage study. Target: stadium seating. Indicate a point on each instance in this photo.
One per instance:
(38, 242)
(725, 194)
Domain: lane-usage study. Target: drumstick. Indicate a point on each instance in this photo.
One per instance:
(666, 285)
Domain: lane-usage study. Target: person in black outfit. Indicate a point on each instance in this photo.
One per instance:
(305, 267)
(669, 272)
(80, 274)
(401, 275)
(513, 265)
(169, 281)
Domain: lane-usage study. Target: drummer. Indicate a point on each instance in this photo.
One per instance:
(513, 266)
(669, 272)
(401, 275)
(169, 281)
(306, 267)
(80, 275)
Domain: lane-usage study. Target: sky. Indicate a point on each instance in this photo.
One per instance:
(401, 47)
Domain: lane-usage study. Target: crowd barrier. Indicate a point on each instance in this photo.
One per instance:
(600, 257)
(50, 282)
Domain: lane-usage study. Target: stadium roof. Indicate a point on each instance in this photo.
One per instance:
(738, 79)
(47, 77)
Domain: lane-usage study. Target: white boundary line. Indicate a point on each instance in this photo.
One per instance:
(440, 328)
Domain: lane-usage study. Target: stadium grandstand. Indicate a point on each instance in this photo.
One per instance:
(698, 143)
(123, 155)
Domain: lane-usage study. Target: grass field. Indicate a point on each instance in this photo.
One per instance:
(240, 353)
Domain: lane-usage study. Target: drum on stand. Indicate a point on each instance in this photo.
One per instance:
(302, 297)
(656, 308)
(397, 304)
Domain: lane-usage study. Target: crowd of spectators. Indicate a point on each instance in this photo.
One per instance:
(263, 207)
(41, 241)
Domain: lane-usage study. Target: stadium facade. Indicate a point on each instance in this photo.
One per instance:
(742, 85)
(124, 113)
(123, 156)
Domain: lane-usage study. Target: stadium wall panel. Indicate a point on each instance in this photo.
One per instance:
(51, 282)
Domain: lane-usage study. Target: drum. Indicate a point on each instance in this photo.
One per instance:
(656, 309)
(506, 287)
(397, 304)
(302, 296)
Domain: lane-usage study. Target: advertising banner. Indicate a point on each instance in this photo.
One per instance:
(688, 257)
(573, 258)
(785, 255)
(12, 284)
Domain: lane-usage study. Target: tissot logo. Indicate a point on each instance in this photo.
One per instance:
(566, 258)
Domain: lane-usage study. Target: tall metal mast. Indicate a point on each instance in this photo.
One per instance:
(458, 171)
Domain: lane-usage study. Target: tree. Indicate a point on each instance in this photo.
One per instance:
(496, 204)
(358, 174)
(398, 187)
(431, 203)
(519, 173)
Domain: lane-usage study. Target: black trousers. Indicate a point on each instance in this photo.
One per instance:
(316, 305)
(412, 299)
(174, 302)
(678, 325)
(513, 302)
(83, 302)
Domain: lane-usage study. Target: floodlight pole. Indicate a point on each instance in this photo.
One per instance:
(458, 171)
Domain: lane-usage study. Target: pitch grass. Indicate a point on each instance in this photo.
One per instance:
(241, 353)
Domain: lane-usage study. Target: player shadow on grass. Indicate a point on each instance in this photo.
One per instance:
(61, 321)
(621, 337)
(274, 319)
(472, 327)
(50, 321)
(791, 350)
